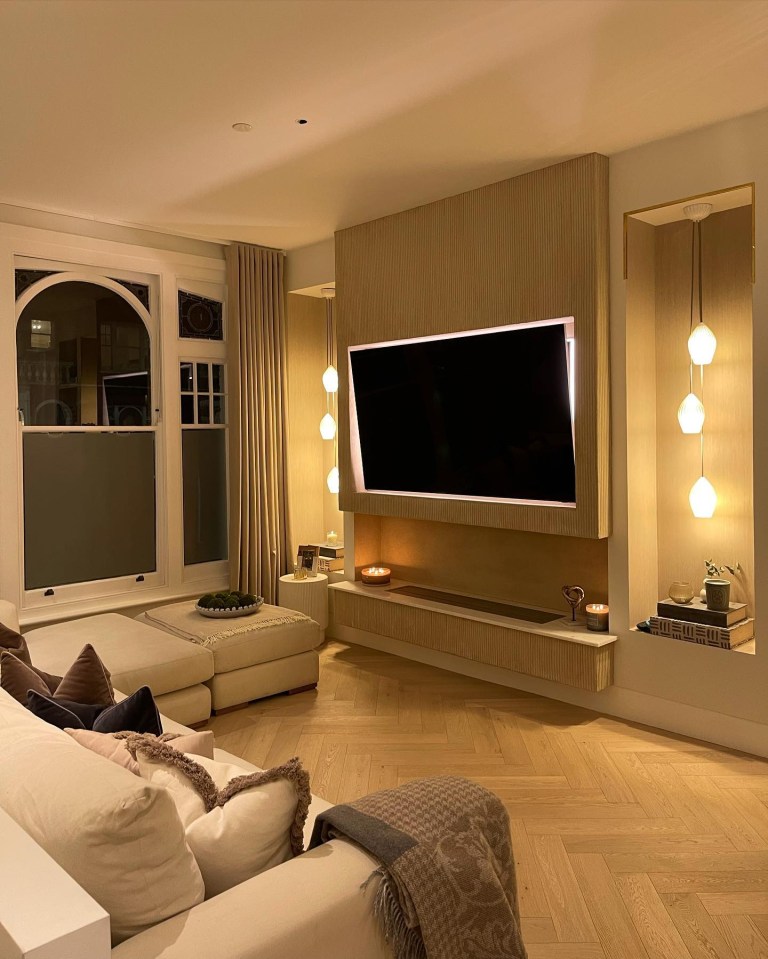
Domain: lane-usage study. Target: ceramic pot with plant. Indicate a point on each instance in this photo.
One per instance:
(717, 591)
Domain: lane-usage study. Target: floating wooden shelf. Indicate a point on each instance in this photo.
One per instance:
(559, 651)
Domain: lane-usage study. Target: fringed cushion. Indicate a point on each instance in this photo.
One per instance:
(236, 825)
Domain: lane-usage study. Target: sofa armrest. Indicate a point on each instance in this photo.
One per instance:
(310, 906)
(9, 615)
(43, 911)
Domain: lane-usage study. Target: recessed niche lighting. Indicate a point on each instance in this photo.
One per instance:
(302, 122)
(242, 127)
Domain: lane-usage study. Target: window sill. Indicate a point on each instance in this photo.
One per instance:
(117, 603)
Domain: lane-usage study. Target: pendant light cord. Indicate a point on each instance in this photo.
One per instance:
(690, 325)
(701, 368)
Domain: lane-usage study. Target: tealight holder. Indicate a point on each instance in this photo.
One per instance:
(376, 575)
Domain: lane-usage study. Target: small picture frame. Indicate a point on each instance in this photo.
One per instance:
(308, 558)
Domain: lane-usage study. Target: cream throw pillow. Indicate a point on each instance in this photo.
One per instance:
(236, 825)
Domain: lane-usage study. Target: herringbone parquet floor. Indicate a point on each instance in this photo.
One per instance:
(631, 843)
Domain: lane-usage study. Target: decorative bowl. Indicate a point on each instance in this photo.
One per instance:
(231, 613)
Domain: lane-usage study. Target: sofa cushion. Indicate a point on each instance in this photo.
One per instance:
(236, 825)
(134, 653)
(239, 643)
(113, 747)
(118, 836)
(136, 713)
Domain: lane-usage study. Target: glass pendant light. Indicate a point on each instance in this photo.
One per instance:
(703, 498)
(331, 380)
(333, 480)
(327, 427)
(702, 345)
(690, 414)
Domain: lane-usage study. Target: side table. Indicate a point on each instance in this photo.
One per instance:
(308, 596)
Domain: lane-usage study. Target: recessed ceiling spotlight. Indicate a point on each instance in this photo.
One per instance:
(242, 127)
(302, 122)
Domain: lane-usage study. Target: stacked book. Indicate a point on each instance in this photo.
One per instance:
(331, 558)
(694, 623)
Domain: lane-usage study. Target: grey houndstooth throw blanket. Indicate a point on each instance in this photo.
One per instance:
(448, 888)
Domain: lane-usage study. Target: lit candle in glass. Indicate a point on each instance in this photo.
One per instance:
(332, 538)
(597, 617)
(376, 575)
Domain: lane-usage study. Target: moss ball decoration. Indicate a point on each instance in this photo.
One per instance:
(226, 599)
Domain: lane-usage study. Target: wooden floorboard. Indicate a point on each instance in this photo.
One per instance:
(630, 843)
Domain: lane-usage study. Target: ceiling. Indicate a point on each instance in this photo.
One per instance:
(122, 110)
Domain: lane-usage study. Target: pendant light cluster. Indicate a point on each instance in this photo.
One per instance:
(328, 424)
(701, 350)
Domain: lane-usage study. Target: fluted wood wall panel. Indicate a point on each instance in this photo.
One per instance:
(533, 247)
(573, 664)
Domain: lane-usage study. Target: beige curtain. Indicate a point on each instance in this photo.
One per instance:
(259, 520)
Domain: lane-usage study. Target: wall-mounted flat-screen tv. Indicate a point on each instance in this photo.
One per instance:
(484, 414)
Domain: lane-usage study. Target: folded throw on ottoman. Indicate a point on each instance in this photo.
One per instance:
(448, 888)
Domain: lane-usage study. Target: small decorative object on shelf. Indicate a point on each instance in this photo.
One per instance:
(681, 593)
(376, 575)
(307, 558)
(717, 591)
(228, 603)
(597, 617)
(574, 596)
(331, 538)
(299, 572)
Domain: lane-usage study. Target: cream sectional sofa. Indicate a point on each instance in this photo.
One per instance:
(54, 798)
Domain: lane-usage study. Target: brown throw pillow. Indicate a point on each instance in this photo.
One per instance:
(15, 643)
(86, 681)
(17, 678)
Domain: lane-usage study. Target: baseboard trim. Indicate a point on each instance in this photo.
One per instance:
(664, 714)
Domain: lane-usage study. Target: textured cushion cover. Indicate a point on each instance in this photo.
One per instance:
(105, 744)
(119, 837)
(137, 713)
(247, 834)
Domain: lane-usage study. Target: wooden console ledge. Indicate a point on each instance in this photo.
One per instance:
(557, 650)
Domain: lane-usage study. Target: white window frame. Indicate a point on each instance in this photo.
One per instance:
(200, 571)
(120, 585)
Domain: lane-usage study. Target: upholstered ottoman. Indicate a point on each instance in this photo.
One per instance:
(272, 651)
(136, 655)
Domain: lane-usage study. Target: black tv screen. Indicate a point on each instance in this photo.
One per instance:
(483, 414)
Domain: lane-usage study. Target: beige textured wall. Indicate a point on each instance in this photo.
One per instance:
(532, 247)
(305, 347)
(684, 542)
(502, 564)
(637, 587)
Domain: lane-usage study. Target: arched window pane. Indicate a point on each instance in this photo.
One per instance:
(83, 359)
